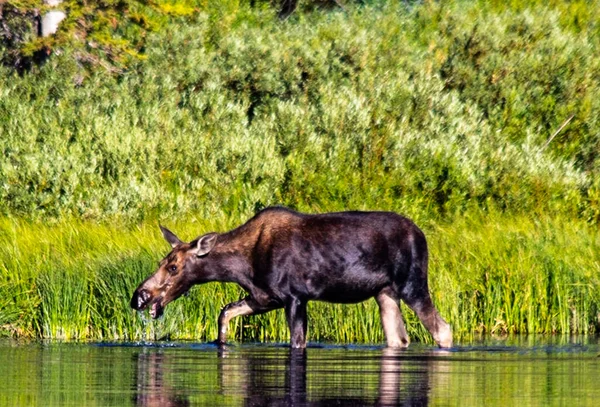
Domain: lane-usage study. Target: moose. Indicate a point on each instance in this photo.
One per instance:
(283, 259)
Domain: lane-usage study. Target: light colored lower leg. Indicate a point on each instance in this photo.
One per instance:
(443, 333)
(231, 311)
(393, 324)
(435, 324)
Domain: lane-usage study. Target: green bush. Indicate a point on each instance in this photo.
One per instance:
(107, 34)
(384, 110)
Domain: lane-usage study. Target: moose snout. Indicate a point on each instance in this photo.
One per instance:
(140, 299)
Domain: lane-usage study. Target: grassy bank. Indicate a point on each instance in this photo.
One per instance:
(488, 275)
(479, 120)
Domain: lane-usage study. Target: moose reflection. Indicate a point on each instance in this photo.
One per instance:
(261, 376)
(151, 388)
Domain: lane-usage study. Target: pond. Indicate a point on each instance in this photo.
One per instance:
(519, 371)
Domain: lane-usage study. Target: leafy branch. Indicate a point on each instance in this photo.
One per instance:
(109, 32)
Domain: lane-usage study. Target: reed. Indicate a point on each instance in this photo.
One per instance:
(488, 274)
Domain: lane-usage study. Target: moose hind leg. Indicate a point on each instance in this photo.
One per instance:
(392, 322)
(431, 319)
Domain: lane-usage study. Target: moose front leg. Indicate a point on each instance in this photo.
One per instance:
(295, 312)
(246, 306)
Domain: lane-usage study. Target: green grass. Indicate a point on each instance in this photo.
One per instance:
(438, 110)
(488, 274)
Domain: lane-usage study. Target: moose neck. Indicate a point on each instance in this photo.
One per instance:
(231, 257)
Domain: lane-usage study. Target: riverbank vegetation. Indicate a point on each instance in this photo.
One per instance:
(479, 120)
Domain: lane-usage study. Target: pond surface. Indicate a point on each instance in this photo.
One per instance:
(518, 372)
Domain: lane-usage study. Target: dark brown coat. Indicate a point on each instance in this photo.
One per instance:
(284, 259)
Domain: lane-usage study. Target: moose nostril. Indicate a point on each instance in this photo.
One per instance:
(144, 295)
(143, 298)
(139, 299)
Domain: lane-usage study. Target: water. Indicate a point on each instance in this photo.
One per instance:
(519, 372)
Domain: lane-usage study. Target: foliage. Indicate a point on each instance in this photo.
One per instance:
(110, 33)
(385, 111)
(443, 111)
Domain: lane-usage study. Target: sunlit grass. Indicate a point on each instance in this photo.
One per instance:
(488, 274)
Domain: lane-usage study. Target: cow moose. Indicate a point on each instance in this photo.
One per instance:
(283, 259)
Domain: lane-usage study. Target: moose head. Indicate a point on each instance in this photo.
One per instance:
(186, 265)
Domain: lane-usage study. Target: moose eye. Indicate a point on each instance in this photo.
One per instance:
(172, 269)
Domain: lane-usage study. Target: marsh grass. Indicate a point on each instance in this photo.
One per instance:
(488, 274)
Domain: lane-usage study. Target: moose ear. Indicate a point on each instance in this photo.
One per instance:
(170, 236)
(206, 243)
